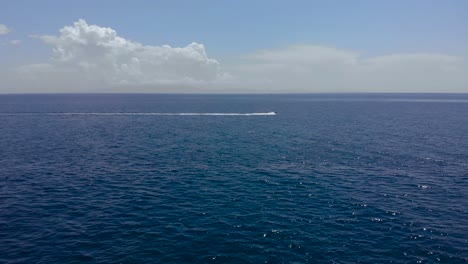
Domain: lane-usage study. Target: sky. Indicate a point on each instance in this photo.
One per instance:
(222, 46)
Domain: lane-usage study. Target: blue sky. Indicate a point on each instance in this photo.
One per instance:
(233, 29)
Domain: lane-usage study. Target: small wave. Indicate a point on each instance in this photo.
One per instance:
(145, 114)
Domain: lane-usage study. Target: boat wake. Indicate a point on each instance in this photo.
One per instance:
(144, 114)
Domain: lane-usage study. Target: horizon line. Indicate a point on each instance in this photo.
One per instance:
(290, 93)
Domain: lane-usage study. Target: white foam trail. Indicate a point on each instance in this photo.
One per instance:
(145, 114)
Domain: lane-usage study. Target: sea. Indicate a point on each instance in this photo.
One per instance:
(292, 178)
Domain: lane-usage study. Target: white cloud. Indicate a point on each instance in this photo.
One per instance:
(4, 29)
(89, 58)
(310, 68)
(98, 54)
(14, 42)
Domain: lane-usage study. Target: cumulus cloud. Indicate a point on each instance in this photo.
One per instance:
(4, 29)
(99, 55)
(90, 58)
(309, 68)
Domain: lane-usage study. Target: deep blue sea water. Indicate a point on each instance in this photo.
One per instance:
(370, 178)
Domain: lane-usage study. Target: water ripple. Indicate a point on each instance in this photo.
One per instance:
(321, 182)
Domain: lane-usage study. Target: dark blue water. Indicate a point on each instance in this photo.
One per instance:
(331, 178)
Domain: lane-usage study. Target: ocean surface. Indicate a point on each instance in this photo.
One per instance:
(331, 178)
